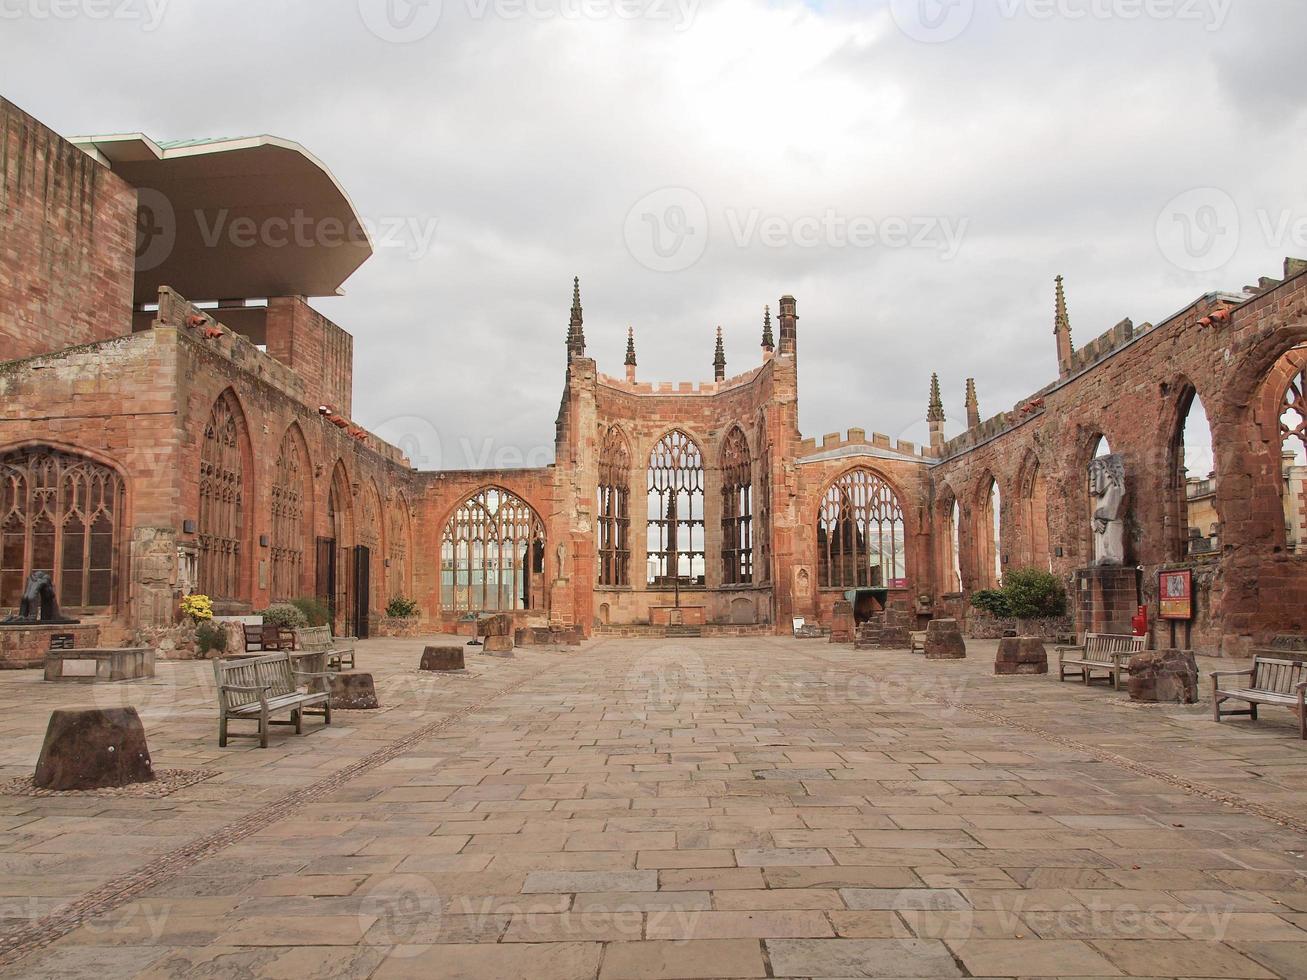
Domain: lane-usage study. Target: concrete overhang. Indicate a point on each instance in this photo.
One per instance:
(235, 218)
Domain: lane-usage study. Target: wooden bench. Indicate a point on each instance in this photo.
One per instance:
(918, 641)
(1100, 652)
(256, 688)
(339, 649)
(1270, 681)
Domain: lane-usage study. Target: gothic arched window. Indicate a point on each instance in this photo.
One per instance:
(614, 525)
(737, 510)
(59, 513)
(860, 533)
(222, 503)
(288, 519)
(492, 555)
(675, 531)
(762, 531)
(397, 541)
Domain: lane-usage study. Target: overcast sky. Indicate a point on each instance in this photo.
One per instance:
(914, 172)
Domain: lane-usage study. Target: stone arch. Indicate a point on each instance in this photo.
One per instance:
(948, 551)
(763, 487)
(492, 554)
(735, 466)
(676, 521)
(371, 534)
(62, 510)
(743, 611)
(226, 490)
(613, 522)
(399, 547)
(1190, 497)
(1032, 514)
(336, 556)
(861, 531)
(291, 517)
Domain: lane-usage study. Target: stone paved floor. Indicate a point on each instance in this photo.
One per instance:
(713, 808)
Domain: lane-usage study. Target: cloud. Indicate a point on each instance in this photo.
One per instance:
(527, 139)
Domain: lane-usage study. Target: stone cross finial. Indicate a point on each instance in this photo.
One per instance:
(719, 359)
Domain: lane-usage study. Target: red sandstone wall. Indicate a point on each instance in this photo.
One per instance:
(315, 348)
(67, 242)
(1135, 397)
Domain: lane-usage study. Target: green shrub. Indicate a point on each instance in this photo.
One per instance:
(284, 615)
(992, 601)
(1034, 594)
(315, 610)
(209, 637)
(401, 608)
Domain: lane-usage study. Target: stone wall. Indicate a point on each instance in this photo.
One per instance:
(68, 231)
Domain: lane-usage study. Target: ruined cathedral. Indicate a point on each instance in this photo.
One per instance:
(176, 418)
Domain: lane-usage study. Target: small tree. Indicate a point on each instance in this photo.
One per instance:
(314, 610)
(401, 608)
(285, 616)
(1034, 594)
(992, 601)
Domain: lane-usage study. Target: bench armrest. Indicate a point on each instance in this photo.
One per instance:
(1301, 687)
(1230, 673)
(1067, 648)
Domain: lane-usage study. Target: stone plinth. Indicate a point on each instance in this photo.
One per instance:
(896, 634)
(529, 636)
(869, 631)
(500, 624)
(841, 626)
(26, 645)
(1106, 599)
(90, 666)
(499, 645)
(1021, 655)
(406, 627)
(91, 748)
(944, 640)
(442, 658)
(1164, 675)
(353, 690)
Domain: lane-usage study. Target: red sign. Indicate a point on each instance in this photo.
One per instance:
(1175, 591)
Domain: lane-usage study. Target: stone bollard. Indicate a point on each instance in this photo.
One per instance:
(91, 748)
(442, 658)
(1164, 675)
(353, 690)
(944, 640)
(1021, 655)
(499, 645)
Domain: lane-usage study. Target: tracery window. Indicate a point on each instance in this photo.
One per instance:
(1293, 460)
(737, 511)
(222, 503)
(492, 555)
(860, 533)
(369, 536)
(614, 525)
(676, 528)
(59, 513)
(288, 520)
(398, 544)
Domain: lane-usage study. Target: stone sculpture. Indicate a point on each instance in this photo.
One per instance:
(1107, 487)
(39, 604)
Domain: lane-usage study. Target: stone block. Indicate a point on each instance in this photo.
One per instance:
(944, 640)
(92, 748)
(353, 690)
(1021, 655)
(442, 658)
(499, 645)
(500, 624)
(1164, 675)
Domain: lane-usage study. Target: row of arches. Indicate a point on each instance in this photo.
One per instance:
(355, 517)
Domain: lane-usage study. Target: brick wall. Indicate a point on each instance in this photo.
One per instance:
(67, 242)
(315, 348)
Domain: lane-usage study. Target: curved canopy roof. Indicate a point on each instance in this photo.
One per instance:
(235, 218)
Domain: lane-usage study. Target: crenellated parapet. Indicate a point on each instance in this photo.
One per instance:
(856, 439)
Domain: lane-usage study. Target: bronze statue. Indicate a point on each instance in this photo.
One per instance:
(39, 604)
